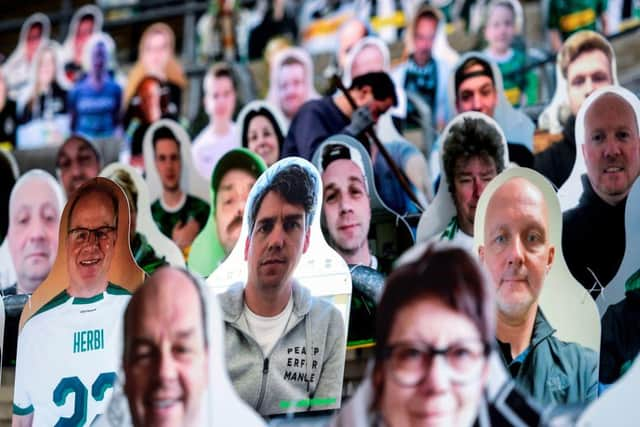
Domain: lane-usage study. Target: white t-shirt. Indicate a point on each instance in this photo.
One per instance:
(208, 148)
(267, 330)
(68, 355)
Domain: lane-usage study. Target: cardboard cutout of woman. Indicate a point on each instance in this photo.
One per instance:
(35, 30)
(310, 348)
(85, 22)
(156, 57)
(262, 130)
(43, 105)
(148, 243)
(441, 219)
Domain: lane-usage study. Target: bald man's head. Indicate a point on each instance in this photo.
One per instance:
(166, 350)
(516, 248)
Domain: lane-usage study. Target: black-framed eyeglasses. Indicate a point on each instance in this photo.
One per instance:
(410, 362)
(82, 235)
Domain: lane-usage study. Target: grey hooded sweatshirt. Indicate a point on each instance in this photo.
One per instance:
(304, 369)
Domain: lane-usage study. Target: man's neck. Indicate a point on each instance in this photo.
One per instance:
(267, 302)
(171, 198)
(516, 332)
(81, 290)
(221, 127)
(465, 227)
(343, 104)
(22, 287)
(97, 80)
(360, 256)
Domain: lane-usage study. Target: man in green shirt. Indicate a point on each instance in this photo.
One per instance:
(180, 216)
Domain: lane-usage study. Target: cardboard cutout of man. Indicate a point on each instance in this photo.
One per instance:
(476, 85)
(608, 133)
(178, 214)
(586, 63)
(75, 315)
(77, 162)
(285, 348)
(518, 253)
(231, 182)
(165, 386)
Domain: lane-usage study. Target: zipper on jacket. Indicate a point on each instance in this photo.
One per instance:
(263, 386)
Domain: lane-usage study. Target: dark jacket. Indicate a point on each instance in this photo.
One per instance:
(145, 255)
(555, 371)
(620, 341)
(556, 162)
(593, 238)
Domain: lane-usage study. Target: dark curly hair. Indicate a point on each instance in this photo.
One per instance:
(296, 185)
(262, 111)
(473, 137)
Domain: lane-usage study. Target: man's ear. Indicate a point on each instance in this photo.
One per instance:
(481, 253)
(246, 248)
(551, 257)
(306, 240)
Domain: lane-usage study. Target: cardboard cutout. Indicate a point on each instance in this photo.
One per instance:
(163, 246)
(517, 126)
(618, 406)
(315, 266)
(554, 116)
(565, 303)
(614, 291)
(123, 271)
(17, 66)
(7, 272)
(320, 270)
(301, 55)
(442, 209)
(570, 192)
(206, 251)
(51, 124)
(385, 129)
(190, 180)
(68, 47)
(252, 106)
(389, 233)
(221, 405)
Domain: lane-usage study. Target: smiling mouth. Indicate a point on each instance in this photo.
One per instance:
(90, 262)
(613, 169)
(163, 403)
(273, 261)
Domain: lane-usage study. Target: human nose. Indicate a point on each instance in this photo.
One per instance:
(611, 148)
(516, 252)
(436, 377)
(477, 102)
(345, 205)
(166, 365)
(276, 237)
(37, 229)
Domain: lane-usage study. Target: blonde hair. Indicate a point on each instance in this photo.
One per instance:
(174, 70)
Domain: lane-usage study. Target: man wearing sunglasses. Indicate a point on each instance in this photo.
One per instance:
(518, 253)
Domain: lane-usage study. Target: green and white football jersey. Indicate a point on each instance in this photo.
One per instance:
(68, 356)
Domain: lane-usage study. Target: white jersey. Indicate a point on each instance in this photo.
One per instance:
(68, 355)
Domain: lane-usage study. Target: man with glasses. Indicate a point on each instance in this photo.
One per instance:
(518, 253)
(77, 162)
(68, 351)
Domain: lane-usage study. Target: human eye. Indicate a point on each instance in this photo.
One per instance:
(597, 137)
(291, 224)
(102, 233)
(623, 134)
(500, 239)
(408, 354)
(23, 218)
(49, 214)
(534, 237)
(265, 227)
(465, 96)
(141, 353)
(80, 235)
(600, 77)
(578, 81)
(330, 196)
(355, 191)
